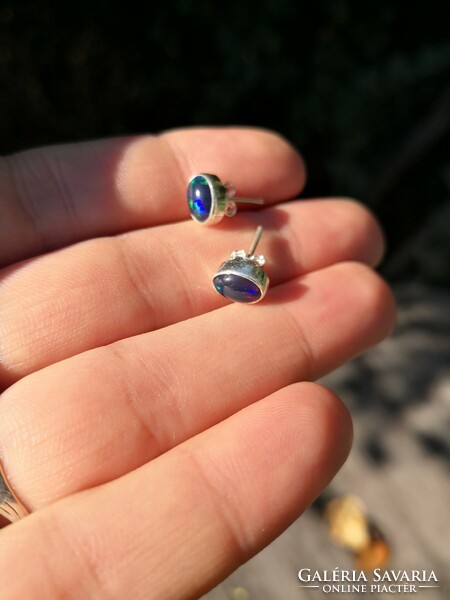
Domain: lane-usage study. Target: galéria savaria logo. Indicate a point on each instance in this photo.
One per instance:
(380, 581)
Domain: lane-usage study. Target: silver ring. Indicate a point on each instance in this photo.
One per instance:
(10, 506)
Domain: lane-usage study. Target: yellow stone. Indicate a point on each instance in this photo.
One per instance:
(347, 522)
(239, 593)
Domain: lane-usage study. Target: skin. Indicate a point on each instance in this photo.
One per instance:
(160, 435)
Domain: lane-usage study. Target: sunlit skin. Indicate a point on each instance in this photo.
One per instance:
(160, 434)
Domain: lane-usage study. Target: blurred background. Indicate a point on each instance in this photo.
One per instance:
(363, 89)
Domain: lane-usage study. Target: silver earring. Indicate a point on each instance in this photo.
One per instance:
(241, 278)
(209, 199)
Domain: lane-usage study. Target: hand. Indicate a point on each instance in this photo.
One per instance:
(156, 431)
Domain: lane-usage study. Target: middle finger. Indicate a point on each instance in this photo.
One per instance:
(103, 290)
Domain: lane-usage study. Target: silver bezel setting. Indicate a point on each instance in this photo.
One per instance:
(247, 267)
(219, 199)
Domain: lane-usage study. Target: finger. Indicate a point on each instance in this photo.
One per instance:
(53, 307)
(126, 403)
(50, 197)
(198, 511)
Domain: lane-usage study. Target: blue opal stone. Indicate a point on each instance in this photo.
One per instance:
(199, 198)
(237, 288)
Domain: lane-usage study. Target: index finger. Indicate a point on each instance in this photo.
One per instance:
(54, 196)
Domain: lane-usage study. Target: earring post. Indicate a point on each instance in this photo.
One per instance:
(258, 235)
(249, 200)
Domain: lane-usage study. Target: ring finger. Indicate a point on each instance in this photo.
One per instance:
(94, 417)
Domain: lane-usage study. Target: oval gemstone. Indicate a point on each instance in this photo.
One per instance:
(237, 288)
(199, 198)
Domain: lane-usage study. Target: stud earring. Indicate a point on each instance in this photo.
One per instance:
(241, 277)
(209, 199)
